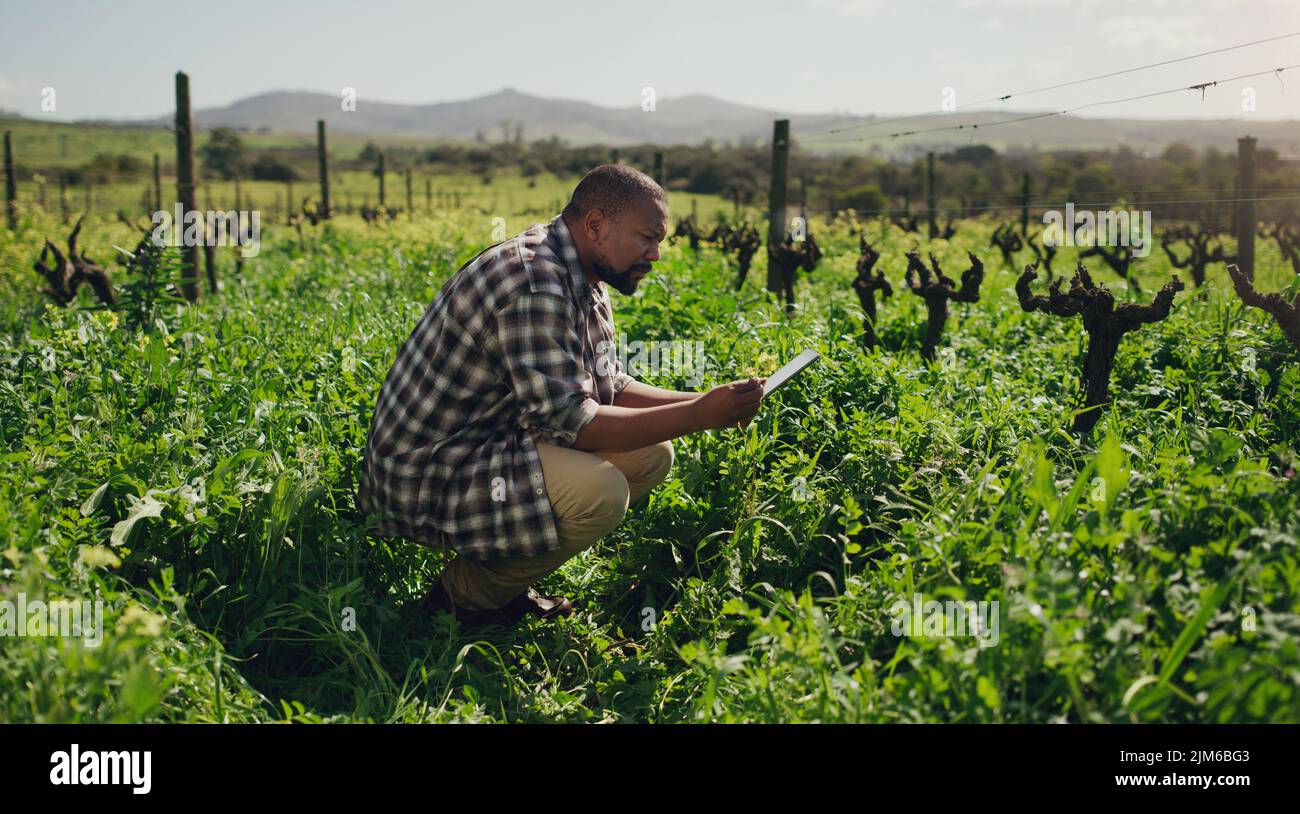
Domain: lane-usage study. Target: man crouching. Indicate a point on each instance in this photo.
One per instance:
(502, 433)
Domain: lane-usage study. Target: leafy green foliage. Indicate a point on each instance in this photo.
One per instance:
(152, 273)
(195, 472)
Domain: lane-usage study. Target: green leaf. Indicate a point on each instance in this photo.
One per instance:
(140, 693)
(1112, 468)
(987, 692)
(1041, 487)
(140, 508)
(92, 502)
(1183, 644)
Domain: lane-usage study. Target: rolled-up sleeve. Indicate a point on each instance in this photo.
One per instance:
(621, 379)
(542, 353)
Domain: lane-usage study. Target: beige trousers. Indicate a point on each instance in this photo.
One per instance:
(589, 494)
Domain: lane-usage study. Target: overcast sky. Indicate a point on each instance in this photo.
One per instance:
(116, 60)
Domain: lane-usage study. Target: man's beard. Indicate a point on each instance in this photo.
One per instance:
(623, 281)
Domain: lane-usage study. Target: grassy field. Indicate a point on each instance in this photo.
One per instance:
(56, 144)
(196, 475)
(505, 194)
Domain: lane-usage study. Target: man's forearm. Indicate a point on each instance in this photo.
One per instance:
(639, 394)
(618, 429)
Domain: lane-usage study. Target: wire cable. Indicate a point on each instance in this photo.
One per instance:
(1202, 87)
(1004, 97)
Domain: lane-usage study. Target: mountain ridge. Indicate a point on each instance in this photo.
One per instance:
(695, 118)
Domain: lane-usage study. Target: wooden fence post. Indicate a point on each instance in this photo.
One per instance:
(185, 186)
(11, 185)
(776, 198)
(1024, 205)
(929, 194)
(323, 166)
(157, 183)
(1246, 205)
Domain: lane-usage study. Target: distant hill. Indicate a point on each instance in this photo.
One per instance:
(693, 119)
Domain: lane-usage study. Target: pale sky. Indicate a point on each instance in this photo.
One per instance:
(116, 60)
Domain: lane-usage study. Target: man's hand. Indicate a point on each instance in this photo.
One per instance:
(730, 405)
(618, 428)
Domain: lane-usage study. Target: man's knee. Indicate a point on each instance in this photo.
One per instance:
(661, 460)
(605, 500)
(667, 458)
(609, 496)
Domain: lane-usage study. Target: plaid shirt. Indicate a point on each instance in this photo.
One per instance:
(517, 347)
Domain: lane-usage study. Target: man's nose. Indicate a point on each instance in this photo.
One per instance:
(653, 254)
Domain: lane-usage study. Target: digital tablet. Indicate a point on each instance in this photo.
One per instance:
(789, 371)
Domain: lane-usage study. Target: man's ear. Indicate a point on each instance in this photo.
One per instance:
(595, 224)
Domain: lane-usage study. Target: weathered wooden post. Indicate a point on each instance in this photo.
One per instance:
(210, 263)
(776, 199)
(63, 196)
(323, 166)
(614, 156)
(380, 171)
(428, 193)
(659, 167)
(1246, 206)
(157, 183)
(929, 195)
(410, 207)
(11, 184)
(185, 186)
(1024, 205)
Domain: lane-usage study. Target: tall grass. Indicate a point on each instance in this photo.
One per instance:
(770, 558)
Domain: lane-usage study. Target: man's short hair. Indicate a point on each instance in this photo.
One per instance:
(613, 189)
